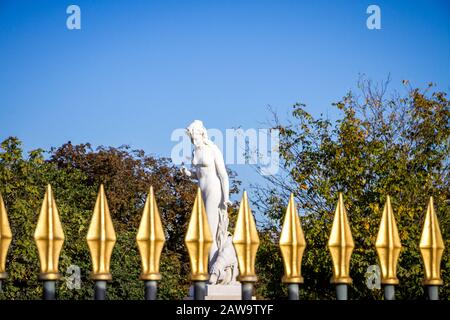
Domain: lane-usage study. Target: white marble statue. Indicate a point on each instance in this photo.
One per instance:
(209, 169)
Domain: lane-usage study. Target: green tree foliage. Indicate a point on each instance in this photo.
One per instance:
(398, 146)
(75, 173)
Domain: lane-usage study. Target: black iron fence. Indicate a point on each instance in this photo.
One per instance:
(150, 239)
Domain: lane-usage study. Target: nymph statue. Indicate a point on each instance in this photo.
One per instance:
(208, 168)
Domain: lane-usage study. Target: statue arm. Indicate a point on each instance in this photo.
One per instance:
(222, 174)
(189, 173)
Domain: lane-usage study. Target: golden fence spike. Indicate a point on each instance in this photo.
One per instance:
(388, 245)
(49, 237)
(198, 240)
(5, 239)
(431, 247)
(101, 238)
(150, 239)
(246, 242)
(341, 245)
(292, 244)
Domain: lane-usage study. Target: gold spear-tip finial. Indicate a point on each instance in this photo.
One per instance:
(388, 245)
(246, 242)
(5, 238)
(292, 244)
(101, 238)
(150, 239)
(431, 247)
(199, 240)
(341, 245)
(49, 237)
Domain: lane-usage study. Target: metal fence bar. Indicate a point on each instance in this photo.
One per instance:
(101, 238)
(49, 238)
(389, 292)
(431, 247)
(100, 290)
(292, 246)
(150, 240)
(199, 290)
(341, 291)
(49, 290)
(5, 241)
(198, 241)
(388, 247)
(341, 247)
(247, 290)
(293, 291)
(151, 289)
(246, 243)
(432, 292)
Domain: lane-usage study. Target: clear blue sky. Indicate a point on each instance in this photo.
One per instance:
(139, 69)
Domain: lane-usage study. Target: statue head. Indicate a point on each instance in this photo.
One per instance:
(197, 133)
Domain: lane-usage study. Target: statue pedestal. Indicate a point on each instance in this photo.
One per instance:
(220, 292)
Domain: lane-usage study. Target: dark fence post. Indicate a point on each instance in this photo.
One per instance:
(389, 292)
(49, 290)
(341, 247)
(292, 246)
(388, 248)
(341, 291)
(49, 237)
(432, 292)
(293, 291)
(246, 243)
(199, 290)
(5, 241)
(151, 289)
(198, 241)
(247, 290)
(101, 238)
(150, 241)
(100, 290)
(431, 248)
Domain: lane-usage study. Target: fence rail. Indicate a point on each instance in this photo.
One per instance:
(101, 237)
